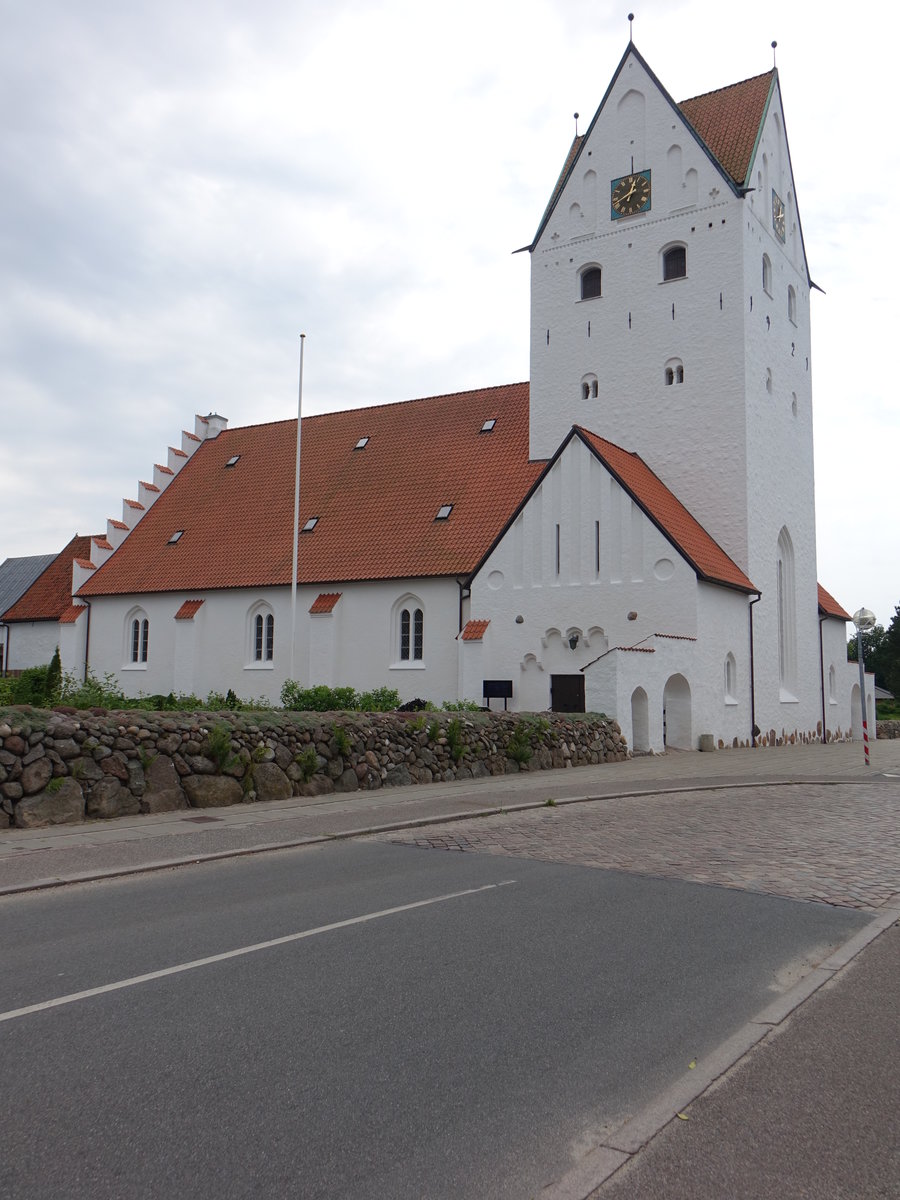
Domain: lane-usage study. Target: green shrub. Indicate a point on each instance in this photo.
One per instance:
(317, 699)
(218, 747)
(461, 706)
(518, 748)
(307, 761)
(454, 739)
(381, 699)
(341, 740)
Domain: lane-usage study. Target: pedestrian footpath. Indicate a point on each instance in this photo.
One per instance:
(33, 858)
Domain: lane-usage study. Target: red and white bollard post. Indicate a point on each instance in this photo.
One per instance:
(863, 620)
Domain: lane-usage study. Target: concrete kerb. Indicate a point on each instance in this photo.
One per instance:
(619, 1147)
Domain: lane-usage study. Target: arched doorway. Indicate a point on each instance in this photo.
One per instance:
(677, 724)
(640, 722)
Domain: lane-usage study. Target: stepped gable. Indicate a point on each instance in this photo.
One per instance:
(376, 501)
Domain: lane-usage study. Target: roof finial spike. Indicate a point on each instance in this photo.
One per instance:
(575, 115)
(630, 28)
(774, 64)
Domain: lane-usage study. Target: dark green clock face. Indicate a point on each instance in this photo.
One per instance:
(630, 195)
(778, 215)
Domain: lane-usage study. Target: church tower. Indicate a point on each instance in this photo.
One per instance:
(670, 314)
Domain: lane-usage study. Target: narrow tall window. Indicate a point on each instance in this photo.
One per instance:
(767, 275)
(258, 638)
(792, 306)
(557, 550)
(787, 616)
(270, 638)
(145, 639)
(412, 635)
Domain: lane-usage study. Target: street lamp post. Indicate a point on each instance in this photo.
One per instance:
(864, 620)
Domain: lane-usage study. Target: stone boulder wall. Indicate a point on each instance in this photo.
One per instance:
(64, 766)
(887, 729)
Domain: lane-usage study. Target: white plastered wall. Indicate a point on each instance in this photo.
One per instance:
(214, 651)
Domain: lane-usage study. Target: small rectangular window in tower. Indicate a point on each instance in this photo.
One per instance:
(557, 549)
(597, 548)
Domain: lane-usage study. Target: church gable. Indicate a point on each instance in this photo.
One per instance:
(688, 149)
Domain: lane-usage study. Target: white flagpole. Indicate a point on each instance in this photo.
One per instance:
(296, 512)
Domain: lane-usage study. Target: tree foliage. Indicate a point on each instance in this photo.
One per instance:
(881, 653)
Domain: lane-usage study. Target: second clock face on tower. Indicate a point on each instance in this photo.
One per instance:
(629, 195)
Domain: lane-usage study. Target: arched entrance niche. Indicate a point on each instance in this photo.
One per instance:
(640, 722)
(677, 722)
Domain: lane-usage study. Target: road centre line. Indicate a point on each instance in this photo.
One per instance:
(14, 1013)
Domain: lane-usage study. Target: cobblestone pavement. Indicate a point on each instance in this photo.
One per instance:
(837, 844)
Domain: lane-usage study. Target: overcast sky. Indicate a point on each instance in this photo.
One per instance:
(184, 188)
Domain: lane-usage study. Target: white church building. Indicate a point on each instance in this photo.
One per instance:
(633, 532)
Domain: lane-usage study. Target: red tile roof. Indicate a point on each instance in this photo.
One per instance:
(70, 615)
(830, 607)
(474, 631)
(51, 593)
(729, 120)
(706, 556)
(376, 506)
(135, 504)
(325, 602)
(85, 564)
(102, 543)
(188, 610)
(119, 525)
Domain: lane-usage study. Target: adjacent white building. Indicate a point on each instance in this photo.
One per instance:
(633, 532)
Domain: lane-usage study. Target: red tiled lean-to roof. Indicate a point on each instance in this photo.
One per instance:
(729, 119)
(376, 506)
(51, 593)
(474, 631)
(188, 610)
(688, 536)
(830, 607)
(71, 614)
(325, 602)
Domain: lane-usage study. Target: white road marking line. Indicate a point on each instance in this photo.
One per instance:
(217, 958)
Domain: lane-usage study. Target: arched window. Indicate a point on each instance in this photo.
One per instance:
(792, 305)
(591, 283)
(590, 387)
(408, 632)
(412, 634)
(674, 263)
(767, 275)
(730, 679)
(260, 635)
(137, 639)
(674, 372)
(832, 688)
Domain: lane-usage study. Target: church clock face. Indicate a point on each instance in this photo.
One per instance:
(630, 195)
(778, 215)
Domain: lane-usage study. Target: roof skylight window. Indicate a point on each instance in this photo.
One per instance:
(361, 444)
(310, 525)
(175, 536)
(232, 460)
(488, 426)
(444, 512)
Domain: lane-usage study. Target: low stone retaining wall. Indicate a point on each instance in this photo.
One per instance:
(887, 729)
(62, 766)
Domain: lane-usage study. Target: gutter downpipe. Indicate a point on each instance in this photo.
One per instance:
(87, 639)
(753, 729)
(822, 620)
(5, 670)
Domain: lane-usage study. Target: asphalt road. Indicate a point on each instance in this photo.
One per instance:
(470, 1047)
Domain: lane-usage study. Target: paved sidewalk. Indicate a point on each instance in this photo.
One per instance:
(69, 853)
